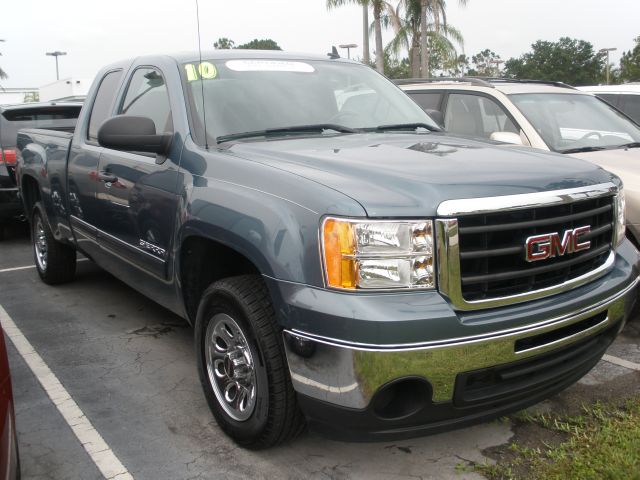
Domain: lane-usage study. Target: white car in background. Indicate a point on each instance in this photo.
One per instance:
(624, 97)
(547, 115)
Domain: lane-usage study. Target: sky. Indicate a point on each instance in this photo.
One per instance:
(97, 32)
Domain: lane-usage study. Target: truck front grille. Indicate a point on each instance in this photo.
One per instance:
(492, 247)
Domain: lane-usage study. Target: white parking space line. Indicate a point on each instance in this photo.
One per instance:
(621, 362)
(103, 457)
(13, 269)
(26, 267)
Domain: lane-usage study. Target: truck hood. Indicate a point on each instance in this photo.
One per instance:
(408, 175)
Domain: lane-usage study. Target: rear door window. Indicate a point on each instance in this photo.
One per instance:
(103, 103)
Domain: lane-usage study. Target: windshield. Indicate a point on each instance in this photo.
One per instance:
(569, 122)
(257, 95)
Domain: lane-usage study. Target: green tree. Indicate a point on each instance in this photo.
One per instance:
(266, 44)
(432, 12)
(457, 66)
(406, 23)
(31, 97)
(630, 64)
(394, 67)
(485, 64)
(224, 43)
(568, 60)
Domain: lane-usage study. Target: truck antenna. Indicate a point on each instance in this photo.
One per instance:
(204, 111)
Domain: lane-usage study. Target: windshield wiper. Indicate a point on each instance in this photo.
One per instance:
(405, 126)
(629, 145)
(319, 128)
(582, 149)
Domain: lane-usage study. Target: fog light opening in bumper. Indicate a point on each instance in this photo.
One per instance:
(401, 398)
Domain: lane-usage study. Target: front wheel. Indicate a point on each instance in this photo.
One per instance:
(55, 261)
(242, 364)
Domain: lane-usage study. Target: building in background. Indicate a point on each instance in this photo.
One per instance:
(66, 89)
(13, 95)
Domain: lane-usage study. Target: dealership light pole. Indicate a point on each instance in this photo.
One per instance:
(607, 50)
(365, 33)
(349, 46)
(56, 54)
(497, 63)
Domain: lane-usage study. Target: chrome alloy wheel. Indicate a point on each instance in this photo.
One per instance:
(230, 367)
(40, 244)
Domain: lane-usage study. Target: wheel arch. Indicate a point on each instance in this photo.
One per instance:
(204, 259)
(30, 193)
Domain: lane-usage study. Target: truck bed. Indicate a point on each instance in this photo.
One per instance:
(44, 154)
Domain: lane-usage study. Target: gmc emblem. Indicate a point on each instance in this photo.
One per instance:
(549, 245)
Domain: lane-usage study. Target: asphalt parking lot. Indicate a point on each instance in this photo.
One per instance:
(129, 366)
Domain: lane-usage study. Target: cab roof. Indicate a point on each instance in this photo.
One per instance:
(236, 53)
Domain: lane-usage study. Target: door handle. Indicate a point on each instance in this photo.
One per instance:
(107, 177)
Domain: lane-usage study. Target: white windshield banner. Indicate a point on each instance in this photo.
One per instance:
(268, 66)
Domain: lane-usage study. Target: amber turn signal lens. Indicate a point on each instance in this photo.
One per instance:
(339, 253)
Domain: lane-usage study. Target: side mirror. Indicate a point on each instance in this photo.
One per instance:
(507, 137)
(436, 116)
(136, 134)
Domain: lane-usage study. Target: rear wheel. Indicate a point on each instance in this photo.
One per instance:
(55, 261)
(242, 364)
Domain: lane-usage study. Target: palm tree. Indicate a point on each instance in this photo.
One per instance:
(408, 27)
(378, 7)
(406, 30)
(436, 10)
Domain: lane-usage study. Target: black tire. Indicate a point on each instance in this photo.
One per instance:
(276, 417)
(60, 262)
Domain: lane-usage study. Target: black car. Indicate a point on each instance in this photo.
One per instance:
(55, 116)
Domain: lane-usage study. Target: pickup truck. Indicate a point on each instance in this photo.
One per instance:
(344, 264)
(52, 115)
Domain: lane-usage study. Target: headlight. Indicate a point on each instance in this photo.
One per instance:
(620, 217)
(377, 254)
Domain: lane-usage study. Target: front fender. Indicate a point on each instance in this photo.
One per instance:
(278, 236)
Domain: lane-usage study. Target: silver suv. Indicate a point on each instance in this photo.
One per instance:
(547, 115)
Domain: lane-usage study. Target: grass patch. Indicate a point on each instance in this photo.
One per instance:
(603, 442)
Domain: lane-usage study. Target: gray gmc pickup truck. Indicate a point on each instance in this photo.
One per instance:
(343, 262)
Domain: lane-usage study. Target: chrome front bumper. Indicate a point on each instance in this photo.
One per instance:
(348, 374)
